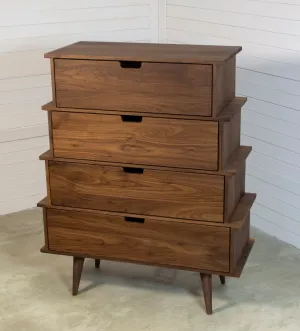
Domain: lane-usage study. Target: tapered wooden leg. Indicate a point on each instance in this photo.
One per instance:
(77, 271)
(222, 279)
(97, 263)
(207, 292)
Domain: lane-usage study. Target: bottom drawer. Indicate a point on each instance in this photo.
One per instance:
(190, 245)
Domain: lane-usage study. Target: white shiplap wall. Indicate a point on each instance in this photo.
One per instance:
(269, 75)
(28, 29)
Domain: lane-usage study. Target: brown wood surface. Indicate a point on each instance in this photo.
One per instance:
(239, 156)
(237, 272)
(77, 271)
(154, 192)
(224, 116)
(234, 190)
(223, 85)
(229, 138)
(239, 238)
(45, 228)
(48, 182)
(207, 292)
(176, 244)
(153, 141)
(149, 52)
(50, 132)
(52, 68)
(155, 87)
(236, 221)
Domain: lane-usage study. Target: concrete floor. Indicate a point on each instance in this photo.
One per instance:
(35, 290)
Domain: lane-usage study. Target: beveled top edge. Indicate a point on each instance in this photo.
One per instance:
(145, 52)
(224, 116)
(242, 210)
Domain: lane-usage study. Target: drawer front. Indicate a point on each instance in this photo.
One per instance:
(134, 139)
(153, 87)
(144, 240)
(137, 191)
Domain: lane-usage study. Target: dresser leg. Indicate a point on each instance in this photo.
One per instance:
(222, 279)
(207, 291)
(77, 271)
(97, 263)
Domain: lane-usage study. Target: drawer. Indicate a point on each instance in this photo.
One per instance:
(139, 239)
(135, 139)
(170, 88)
(138, 191)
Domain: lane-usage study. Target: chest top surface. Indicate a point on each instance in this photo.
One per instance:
(146, 52)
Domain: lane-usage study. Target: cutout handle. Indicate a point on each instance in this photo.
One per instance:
(130, 64)
(132, 118)
(134, 219)
(133, 170)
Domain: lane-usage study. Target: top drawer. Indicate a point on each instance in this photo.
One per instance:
(171, 88)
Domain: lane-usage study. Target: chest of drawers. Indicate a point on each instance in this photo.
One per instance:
(145, 163)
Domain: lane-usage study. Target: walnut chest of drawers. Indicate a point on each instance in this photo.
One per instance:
(145, 163)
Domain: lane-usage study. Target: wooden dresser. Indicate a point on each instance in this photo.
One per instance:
(145, 163)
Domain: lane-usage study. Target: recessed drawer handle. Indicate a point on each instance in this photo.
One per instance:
(133, 170)
(130, 64)
(131, 118)
(134, 219)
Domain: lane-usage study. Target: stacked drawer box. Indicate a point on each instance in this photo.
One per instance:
(145, 163)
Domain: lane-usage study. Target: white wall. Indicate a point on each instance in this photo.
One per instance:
(28, 29)
(269, 75)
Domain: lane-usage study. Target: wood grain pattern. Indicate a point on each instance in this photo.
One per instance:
(236, 221)
(224, 116)
(154, 87)
(149, 52)
(239, 156)
(230, 138)
(234, 190)
(240, 239)
(223, 85)
(52, 68)
(160, 193)
(176, 244)
(161, 142)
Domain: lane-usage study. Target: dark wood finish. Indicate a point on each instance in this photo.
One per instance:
(222, 279)
(77, 271)
(238, 157)
(50, 133)
(176, 244)
(145, 163)
(48, 182)
(207, 291)
(154, 87)
(148, 52)
(236, 274)
(223, 85)
(240, 238)
(45, 228)
(234, 190)
(236, 221)
(230, 138)
(224, 116)
(153, 192)
(160, 142)
(52, 68)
